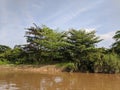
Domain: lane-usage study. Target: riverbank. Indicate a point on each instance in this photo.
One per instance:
(45, 69)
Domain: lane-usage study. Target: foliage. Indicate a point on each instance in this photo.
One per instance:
(4, 62)
(67, 66)
(3, 52)
(116, 45)
(4, 48)
(74, 49)
(111, 63)
(44, 43)
(82, 44)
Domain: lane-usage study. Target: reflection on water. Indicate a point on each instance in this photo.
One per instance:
(62, 81)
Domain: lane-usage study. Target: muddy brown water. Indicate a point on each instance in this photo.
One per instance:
(60, 81)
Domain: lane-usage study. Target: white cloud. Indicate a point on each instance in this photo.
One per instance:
(107, 36)
(92, 28)
(12, 35)
(89, 29)
(107, 39)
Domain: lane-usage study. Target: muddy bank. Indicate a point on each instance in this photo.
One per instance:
(48, 69)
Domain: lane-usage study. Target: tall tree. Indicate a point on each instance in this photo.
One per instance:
(82, 44)
(44, 43)
(116, 45)
(82, 40)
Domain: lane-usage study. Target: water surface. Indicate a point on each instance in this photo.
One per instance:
(61, 81)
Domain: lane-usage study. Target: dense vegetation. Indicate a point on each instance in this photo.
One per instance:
(76, 48)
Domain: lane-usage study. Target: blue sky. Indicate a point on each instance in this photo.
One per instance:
(100, 15)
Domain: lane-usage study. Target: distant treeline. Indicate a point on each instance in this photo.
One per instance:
(75, 47)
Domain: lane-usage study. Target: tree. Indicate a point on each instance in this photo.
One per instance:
(44, 43)
(82, 44)
(82, 41)
(4, 48)
(116, 45)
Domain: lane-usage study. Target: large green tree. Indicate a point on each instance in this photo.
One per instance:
(82, 44)
(44, 43)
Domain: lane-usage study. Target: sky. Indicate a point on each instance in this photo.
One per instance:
(100, 15)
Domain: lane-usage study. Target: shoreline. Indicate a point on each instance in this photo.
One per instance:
(45, 69)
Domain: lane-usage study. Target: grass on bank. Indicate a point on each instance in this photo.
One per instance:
(4, 62)
(67, 66)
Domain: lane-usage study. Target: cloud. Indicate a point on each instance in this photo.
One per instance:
(107, 36)
(12, 35)
(73, 12)
(107, 39)
(90, 29)
(64, 18)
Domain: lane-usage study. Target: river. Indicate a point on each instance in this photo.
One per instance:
(60, 81)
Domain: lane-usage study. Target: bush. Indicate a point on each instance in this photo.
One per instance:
(4, 61)
(67, 66)
(110, 63)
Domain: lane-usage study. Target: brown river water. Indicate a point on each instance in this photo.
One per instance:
(60, 81)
